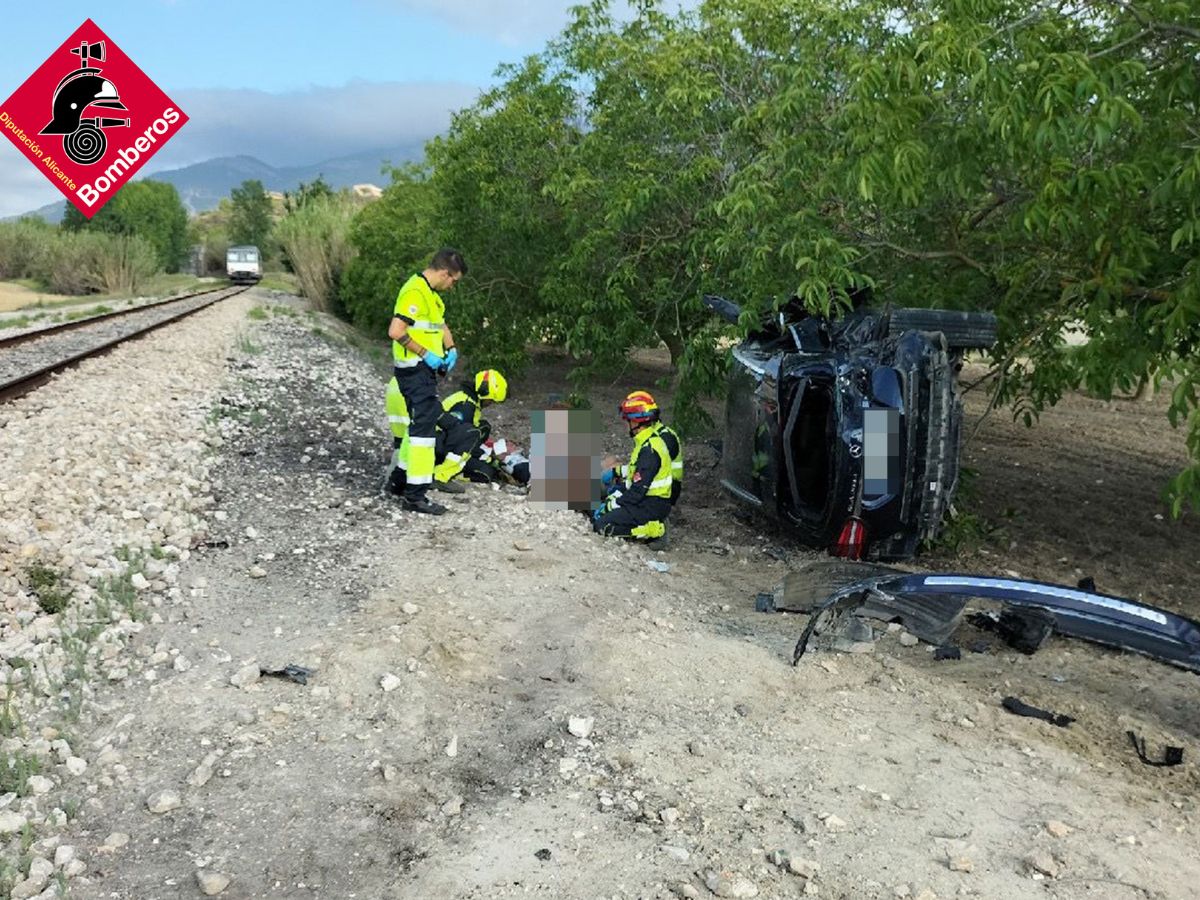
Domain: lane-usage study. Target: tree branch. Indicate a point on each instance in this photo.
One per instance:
(930, 254)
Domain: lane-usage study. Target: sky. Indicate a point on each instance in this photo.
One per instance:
(290, 83)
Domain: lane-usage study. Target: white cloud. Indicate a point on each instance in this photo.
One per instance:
(530, 22)
(308, 126)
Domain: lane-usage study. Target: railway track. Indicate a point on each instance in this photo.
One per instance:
(30, 359)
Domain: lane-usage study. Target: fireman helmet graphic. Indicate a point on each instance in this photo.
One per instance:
(81, 90)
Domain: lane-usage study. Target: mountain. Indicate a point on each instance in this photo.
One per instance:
(202, 185)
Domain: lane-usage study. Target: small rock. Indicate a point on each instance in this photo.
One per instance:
(901, 891)
(115, 841)
(211, 883)
(163, 801)
(390, 773)
(567, 765)
(580, 726)
(669, 816)
(251, 532)
(686, 891)
(139, 582)
(389, 683)
(833, 823)
(1041, 862)
(909, 640)
(696, 748)
(410, 609)
(11, 822)
(39, 784)
(679, 854)
(1058, 829)
(258, 572)
(27, 889)
(543, 854)
(805, 868)
(961, 864)
(453, 806)
(452, 747)
(181, 664)
(76, 765)
(245, 676)
(741, 709)
(727, 884)
(63, 855)
(927, 894)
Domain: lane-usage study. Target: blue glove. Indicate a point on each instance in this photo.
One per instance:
(607, 478)
(599, 511)
(434, 361)
(451, 359)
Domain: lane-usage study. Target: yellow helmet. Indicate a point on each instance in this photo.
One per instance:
(490, 385)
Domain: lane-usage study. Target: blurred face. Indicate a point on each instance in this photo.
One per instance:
(444, 280)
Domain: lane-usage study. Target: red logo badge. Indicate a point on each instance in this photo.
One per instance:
(89, 118)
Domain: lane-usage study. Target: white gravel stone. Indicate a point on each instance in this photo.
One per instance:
(11, 822)
(76, 765)
(40, 784)
(163, 801)
(389, 683)
(246, 676)
(580, 726)
(115, 841)
(63, 855)
(410, 609)
(212, 883)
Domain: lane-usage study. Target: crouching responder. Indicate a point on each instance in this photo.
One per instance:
(639, 506)
(423, 348)
(614, 473)
(462, 428)
(397, 413)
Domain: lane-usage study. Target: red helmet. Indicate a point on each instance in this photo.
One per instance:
(639, 407)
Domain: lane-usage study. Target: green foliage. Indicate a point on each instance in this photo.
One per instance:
(47, 585)
(316, 241)
(257, 313)
(391, 239)
(250, 216)
(151, 210)
(21, 244)
(16, 768)
(306, 194)
(90, 262)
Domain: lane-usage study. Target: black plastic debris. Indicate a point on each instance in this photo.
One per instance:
(948, 651)
(298, 674)
(1172, 756)
(543, 854)
(764, 602)
(1022, 629)
(216, 545)
(980, 647)
(1087, 583)
(1021, 708)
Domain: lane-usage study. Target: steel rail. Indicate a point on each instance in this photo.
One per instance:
(25, 384)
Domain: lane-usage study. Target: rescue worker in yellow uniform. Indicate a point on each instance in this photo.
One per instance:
(674, 447)
(640, 505)
(462, 428)
(397, 413)
(423, 348)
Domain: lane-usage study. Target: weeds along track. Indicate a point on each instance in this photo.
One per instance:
(29, 359)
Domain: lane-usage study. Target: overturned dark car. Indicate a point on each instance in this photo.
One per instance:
(847, 430)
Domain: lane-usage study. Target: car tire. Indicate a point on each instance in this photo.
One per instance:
(963, 330)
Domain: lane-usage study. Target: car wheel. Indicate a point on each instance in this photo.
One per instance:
(963, 330)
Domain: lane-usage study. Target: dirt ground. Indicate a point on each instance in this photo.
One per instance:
(15, 296)
(430, 756)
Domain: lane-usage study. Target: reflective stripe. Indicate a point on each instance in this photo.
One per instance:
(420, 479)
(424, 325)
(400, 420)
(406, 363)
(453, 457)
(677, 466)
(661, 482)
(421, 441)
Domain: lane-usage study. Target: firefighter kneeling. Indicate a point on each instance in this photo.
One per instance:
(462, 430)
(639, 506)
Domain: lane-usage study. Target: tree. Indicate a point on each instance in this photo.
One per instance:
(250, 218)
(148, 209)
(305, 194)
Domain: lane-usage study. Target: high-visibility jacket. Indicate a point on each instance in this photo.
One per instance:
(649, 470)
(425, 314)
(464, 405)
(675, 448)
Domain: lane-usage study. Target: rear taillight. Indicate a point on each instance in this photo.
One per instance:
(852, 542)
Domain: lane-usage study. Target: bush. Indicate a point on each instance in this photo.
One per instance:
(90, 262)
(20, 245)
(315, 239)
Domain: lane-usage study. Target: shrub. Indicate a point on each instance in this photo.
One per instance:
(315, 239)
